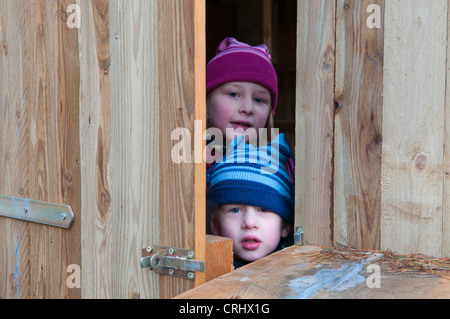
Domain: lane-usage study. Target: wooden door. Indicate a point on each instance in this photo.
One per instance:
(86, 118)
(372, 124)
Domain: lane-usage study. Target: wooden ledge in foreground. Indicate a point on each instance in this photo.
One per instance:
(291, 274)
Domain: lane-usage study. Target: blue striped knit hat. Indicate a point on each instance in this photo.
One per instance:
(255, 176)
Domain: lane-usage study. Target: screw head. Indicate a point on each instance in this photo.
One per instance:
(171, 272)
(63, 216)
(171, 251)
(149, 248)
(191, 275)
(191, 254)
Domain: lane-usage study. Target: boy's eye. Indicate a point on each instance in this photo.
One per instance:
(235, 210)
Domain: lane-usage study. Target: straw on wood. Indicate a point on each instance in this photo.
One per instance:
(414, 264)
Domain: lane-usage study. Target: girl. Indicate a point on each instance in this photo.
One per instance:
(242, 92)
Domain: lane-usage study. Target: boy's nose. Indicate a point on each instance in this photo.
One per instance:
(250, 220)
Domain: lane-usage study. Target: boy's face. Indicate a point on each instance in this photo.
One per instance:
(238, 105)
(255, 232)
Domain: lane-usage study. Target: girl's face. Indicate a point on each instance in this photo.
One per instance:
(238, 105)
(256, 232)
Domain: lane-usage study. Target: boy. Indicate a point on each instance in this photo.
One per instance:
(251, 202)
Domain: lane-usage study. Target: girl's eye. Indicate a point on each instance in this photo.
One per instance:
(233, 94)
(259, 100)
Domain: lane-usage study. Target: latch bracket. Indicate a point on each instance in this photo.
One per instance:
(51, 214)
(171, 261)
(298, 235)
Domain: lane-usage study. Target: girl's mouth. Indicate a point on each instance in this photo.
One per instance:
(241, 124)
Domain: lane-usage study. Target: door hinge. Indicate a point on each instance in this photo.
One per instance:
(172, 261)
(35, 211)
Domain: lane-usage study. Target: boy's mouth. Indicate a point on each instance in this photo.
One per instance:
(250, 243)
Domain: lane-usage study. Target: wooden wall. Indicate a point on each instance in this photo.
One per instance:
(85, 120)
(372, 166)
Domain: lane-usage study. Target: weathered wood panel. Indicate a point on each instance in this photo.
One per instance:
(413, 126)
(134, 144)
(200, 117)
(39, 145)
(178, 182)
(314, 120)
(95, 134)
(357, 152)
(446, 192)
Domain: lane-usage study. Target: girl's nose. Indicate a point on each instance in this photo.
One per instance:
(250, 220)
(246, 105)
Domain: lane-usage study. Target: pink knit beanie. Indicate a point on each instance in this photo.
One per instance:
(237, 61)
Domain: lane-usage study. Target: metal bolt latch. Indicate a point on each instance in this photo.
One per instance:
(177, 262)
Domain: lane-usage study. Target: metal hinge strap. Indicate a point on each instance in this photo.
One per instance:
(51, 214)
(171, 261)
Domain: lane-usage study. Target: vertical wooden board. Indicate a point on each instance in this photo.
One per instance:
(134, 144)
(43, 81)
(358, 119)
(54, 172)
(95, 135)
(177, 110)
(314, 120)
(200, 117)
(446, 193)
(15, 46)
(413, 126)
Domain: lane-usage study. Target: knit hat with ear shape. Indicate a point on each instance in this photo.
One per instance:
(239, 62)
(254, 176)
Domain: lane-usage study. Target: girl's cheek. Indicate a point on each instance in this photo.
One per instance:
(262, 119)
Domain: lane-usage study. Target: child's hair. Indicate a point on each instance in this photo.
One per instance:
(239, 62)
(259, 177)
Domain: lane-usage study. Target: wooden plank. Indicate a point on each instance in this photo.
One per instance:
(413, 126)
(219, 256)
(292, 273)
(14, 254)
(358, 119)
(44, 77)
(314, 120)
(134, 144)
(95, 134)
(200, 117)
(177, 110)
(446, 193)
